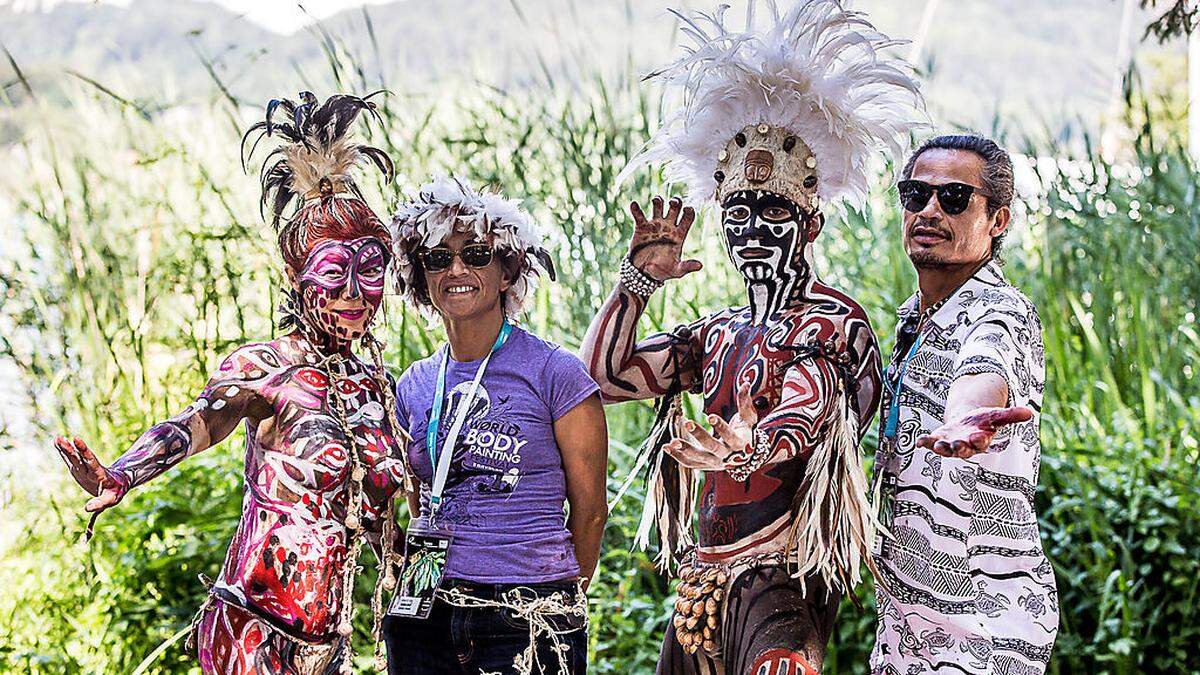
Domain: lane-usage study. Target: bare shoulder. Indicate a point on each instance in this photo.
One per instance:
(838, 305)
(720, 318)
(254, 359)
(835, 316)
(257, 365)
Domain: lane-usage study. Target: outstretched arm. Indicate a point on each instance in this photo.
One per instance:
(624, 368)
(976, 409)
(990, 387)
(226, 399)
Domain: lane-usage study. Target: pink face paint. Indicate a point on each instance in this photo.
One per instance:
(341, 286)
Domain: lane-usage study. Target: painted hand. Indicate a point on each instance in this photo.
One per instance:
(721, 449)
(90, 474)
(973, 433)
(657, 246)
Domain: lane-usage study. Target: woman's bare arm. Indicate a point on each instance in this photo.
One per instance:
(582, 435)
(228, 398)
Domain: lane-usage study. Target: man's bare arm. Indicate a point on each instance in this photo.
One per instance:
(975, 408)
(625, 368)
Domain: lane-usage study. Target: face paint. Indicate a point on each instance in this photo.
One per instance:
(765, 238)
(341, 286)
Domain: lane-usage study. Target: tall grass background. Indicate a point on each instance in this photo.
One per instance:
(138, 258)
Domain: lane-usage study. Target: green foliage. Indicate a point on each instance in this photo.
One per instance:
(1120, 499)
(1179, 19)
(139, 259)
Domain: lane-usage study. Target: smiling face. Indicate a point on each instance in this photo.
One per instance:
(934, 239)
(462, 291)
(765, 237)
(341, 286)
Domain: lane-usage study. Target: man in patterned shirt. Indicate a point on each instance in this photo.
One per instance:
(963, 583)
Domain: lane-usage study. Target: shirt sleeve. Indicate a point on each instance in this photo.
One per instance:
(565, 383)
(1000, 343)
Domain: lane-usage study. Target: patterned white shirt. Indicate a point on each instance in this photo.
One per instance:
(965, 586)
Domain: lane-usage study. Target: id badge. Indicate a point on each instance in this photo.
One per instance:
(421, 572)
(886, 509)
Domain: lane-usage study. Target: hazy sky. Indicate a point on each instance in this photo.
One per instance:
(281, 16)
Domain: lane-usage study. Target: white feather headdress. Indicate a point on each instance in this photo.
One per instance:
(449, 204)
(818, 72)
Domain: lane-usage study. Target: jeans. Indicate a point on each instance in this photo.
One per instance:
(470, 641)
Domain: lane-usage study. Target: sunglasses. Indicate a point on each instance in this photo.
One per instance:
(953, 197)
(440, 258)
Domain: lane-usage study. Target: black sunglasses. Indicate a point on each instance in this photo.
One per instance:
(953, 197)
(440, 258)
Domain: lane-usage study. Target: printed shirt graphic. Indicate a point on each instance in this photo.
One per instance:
(965, 586)
(505, 494)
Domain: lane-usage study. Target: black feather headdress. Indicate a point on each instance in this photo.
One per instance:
(316, 159)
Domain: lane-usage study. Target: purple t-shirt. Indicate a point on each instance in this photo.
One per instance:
(505, 494)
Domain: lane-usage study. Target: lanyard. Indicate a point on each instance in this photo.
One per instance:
(893, 418)
(442, 462)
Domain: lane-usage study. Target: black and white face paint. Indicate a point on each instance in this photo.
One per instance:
(765, 237)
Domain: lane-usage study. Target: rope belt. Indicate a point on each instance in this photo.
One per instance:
(535, 611)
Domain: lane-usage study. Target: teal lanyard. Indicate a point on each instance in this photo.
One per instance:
(893, 418)
(435, 415)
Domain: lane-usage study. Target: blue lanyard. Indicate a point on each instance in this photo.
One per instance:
(435, 415)
(893, 418)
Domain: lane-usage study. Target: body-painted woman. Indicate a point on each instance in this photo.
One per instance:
(773, 123)
(322, 459)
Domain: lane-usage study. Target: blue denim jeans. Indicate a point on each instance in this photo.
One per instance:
(468, 641)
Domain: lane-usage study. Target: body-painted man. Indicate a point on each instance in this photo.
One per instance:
(322, 458)
(773, 123)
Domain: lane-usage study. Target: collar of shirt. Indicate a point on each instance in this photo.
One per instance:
(944, 312)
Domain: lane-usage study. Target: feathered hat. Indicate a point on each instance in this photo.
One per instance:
(797, 109)
(317, 155)
(448, 204)
(312, 166)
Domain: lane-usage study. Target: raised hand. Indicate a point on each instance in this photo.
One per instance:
(657, 246)
(973, 433)
(729, 445)
(89, 473)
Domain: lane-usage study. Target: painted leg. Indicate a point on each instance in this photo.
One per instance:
(232, 641)
(672, 660)
(774, 627)
(229, 639)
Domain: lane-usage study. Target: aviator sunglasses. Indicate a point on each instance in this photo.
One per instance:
(440, 258)
(953, 197)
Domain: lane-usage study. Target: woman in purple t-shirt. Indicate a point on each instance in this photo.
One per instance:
(519, 431)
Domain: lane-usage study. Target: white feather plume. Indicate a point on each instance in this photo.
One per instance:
(448, 204)
(819, 71)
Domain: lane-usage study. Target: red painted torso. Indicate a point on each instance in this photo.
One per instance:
(737, 516)
(290, 548)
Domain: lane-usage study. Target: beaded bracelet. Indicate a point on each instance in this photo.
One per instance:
(762, 451)
(636, 281)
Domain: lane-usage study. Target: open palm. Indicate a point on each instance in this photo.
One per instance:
(973, 433)
(86, 469)
(698, 448)
(657, 246)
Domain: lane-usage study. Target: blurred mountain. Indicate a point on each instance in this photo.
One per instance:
(1043, 62)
